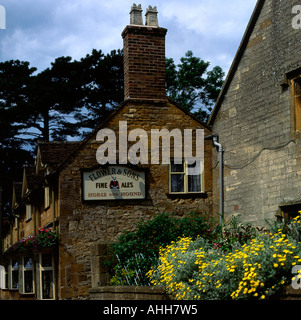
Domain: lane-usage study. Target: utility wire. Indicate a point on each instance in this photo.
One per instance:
(256, 156)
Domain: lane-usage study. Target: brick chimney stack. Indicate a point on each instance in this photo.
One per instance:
(144, 56)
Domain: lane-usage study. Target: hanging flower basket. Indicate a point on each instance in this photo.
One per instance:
(45, 238)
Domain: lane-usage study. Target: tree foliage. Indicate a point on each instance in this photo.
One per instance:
(192, 85)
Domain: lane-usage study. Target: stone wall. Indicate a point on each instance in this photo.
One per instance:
(85, 225)
(158, 293)
(255, 121)
(128, 293)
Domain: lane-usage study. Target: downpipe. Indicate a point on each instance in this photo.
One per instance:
(220, 150)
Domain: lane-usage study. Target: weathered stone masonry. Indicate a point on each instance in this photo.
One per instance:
(85, 226)
(255, 118)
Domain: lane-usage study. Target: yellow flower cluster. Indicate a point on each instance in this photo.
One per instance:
(253, 271)
(169, 261)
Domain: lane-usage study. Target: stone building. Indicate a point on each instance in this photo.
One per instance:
(89, 204)
(257, 118)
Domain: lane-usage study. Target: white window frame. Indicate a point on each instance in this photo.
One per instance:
(46, 197)
(29, 209)
(186, 177)
(16, 223)
(2, 277)
(39, 271)
(10, 274)
(23, 268)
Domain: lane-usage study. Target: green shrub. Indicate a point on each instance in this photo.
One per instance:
(138, 251)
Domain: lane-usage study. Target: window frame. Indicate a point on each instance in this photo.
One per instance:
(296, 95)
(29, 209)
(290, 80)
(22, 278)
(11, 270)
(16, 222)
(186, 178)
(288, 211)
(3, 277)
(39, 271)
(47, 199)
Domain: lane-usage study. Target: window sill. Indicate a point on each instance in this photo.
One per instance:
(27, 294)
(190, 195)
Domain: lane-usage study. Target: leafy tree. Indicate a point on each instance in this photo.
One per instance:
(15, 77)
(11, 169)
(192, 85)
(73, 96)
(15, 81)
(102, 83)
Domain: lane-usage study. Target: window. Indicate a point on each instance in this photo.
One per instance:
(289, 212)
(3, 272)
(16, 222)
(181, 179)
(28, 212)
(297, 102)
(14, 274)
(45, 276)
(6, 277)
(26, 276)
(47, 197)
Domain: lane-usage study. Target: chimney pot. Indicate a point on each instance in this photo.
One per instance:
(151, 17)
(136, 15)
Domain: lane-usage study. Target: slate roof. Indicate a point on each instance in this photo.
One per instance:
(55, 152)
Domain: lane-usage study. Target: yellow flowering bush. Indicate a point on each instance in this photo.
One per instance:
(195, 269)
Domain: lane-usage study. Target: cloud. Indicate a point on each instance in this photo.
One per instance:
(40, 31)
(219, 17)
(212, 30)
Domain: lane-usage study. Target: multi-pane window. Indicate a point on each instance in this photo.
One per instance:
(14, 274)
(45, 276)
(181, 179)
(26, 275)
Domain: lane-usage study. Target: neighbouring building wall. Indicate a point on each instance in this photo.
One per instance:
(257, 117)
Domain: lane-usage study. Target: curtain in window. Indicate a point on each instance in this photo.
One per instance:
(194, 183)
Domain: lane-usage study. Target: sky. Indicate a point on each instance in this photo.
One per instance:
(39, 31)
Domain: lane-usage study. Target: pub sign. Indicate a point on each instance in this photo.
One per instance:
(113, 183)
